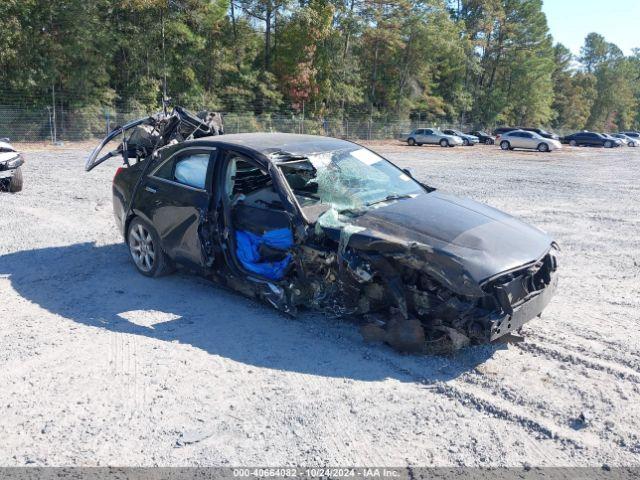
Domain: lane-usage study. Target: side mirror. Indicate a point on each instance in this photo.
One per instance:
(408, 171)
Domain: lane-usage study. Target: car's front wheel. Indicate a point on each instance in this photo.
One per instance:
(573, 143)
(15, 182)
(444, 142)
(145, 249)
(504, 145)
(488, 141)
(543, 147)
(465, 142)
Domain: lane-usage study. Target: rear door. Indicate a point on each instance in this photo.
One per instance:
(528, 140)
(175, 198)
(515, 139)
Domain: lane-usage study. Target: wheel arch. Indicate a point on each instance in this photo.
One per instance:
(137, 214)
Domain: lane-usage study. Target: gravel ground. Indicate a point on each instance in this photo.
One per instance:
(101, 366)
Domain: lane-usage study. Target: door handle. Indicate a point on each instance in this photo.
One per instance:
(150, 189)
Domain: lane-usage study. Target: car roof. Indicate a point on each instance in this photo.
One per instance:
(293, 143)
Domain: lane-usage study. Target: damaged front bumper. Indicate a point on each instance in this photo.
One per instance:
(528, 310)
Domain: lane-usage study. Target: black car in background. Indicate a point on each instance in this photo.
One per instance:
(542, 133)
(483, 136)
(590, 139)
(303, 221)
(500, 130)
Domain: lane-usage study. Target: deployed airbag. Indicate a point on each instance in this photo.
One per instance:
(248, 251)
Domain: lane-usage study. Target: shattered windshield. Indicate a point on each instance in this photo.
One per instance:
(348, 179)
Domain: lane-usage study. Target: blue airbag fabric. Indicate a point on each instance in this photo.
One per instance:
(248, 251)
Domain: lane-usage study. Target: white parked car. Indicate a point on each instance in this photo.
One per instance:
(420, 136)
(528, 140)
(10, 171)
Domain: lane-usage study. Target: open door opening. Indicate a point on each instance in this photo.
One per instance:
(260, 232)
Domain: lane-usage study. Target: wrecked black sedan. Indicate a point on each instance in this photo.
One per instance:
(304, 221)
(10, 171)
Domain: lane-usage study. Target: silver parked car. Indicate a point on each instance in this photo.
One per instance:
(433, 136)
(468, 140)
(528, 140)
(627, 140)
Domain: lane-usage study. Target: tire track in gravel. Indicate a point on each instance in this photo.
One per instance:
(622, 357)
(477, 399)
(617, 371)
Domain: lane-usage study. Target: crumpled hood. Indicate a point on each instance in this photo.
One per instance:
(485, 241)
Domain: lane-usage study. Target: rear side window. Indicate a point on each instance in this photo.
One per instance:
(188, 169)
(192, 170)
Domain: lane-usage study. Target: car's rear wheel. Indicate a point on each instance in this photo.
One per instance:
(465, 142)
(608, 144)
(15, 183)
(411, 142)
(444, 142)
(488, 141)
(573, 143)
(504, 145)
(145, 249)
(632, 144)
(543, 147)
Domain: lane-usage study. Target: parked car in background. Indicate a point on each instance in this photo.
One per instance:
(631, 141)
(542, 133)
(483, 136)
(467, 140)
(528, 140)
(500, 130)
(591, 139)
(634, 135)
(433, 136)
(10, 171)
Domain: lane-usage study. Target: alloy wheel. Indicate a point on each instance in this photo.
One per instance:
(142, 247)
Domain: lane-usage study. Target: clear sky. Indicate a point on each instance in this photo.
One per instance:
(617, 20)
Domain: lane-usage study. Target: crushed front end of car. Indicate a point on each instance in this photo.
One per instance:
(424, 273)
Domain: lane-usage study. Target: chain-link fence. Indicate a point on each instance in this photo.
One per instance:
(59, 125)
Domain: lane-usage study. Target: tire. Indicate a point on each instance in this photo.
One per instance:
(465, 142)
(411, 142)
(504, 145)
(444, 142)
(15, 183)
(543, 147)
(608, 144)
(145, 249)
(632, 144)
(573, 143)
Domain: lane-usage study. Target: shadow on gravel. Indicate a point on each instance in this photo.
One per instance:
(99, 287)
